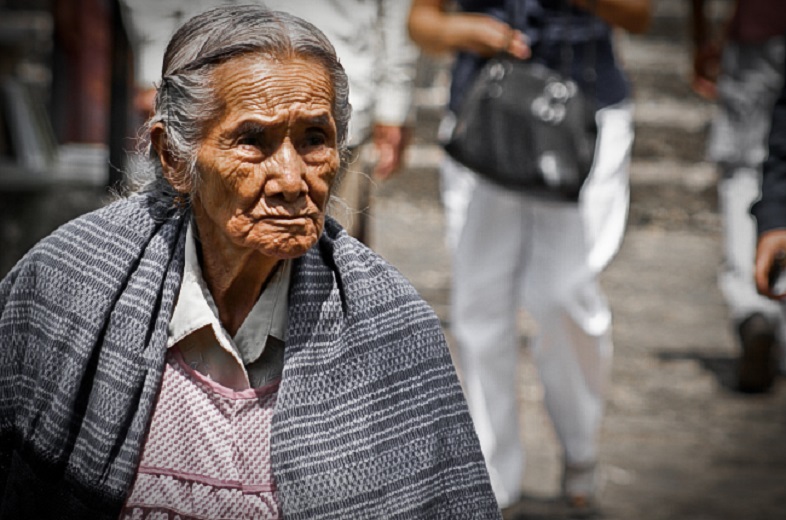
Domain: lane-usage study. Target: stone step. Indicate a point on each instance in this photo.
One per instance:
(671, 19)
(695, 177)
(669, 129)
(655, 84)
(671, 207)
(672, 26)
(674, 195)
(663, 143)
(638, 53)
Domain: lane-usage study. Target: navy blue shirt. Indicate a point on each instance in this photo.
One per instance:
(548, 26)
(770, 209)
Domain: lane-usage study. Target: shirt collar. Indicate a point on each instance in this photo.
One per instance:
(195, 309)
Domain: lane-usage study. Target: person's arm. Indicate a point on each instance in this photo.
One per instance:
(698, 23)
(437, 30)
(393, 103)
(770, 209)
(706, 53)
(632, 15)
(708, 45)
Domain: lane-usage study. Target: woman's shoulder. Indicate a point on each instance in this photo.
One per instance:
(118, 214)
(359, 264)
(367, 284)
(129, 219)
(102, 240)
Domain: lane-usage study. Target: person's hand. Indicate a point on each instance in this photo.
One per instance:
(706, 68)
(436, 30)
(487, 36)
(770, 251)
(389, 143)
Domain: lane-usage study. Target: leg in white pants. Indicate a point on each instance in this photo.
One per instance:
(738, 188)
(486, 267)
(517, 251)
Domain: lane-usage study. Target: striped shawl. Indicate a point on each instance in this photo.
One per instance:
(370, 420)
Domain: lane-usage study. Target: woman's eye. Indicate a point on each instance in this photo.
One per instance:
(249, 140)
(315, 138)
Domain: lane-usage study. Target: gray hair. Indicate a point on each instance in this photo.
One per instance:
(186, 100)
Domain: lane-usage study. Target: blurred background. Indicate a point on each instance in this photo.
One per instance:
(65, 122)
(678, 441)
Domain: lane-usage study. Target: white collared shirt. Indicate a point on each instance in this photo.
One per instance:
(254, 356)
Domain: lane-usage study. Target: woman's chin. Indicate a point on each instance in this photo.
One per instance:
(283, 245)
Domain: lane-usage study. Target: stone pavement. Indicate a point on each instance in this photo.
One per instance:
(678, 442)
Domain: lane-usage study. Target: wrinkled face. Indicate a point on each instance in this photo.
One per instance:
(268, 161)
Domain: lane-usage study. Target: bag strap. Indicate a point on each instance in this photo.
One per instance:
(591, 59)
(566, 48)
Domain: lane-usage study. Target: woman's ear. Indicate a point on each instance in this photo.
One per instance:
(174, 169)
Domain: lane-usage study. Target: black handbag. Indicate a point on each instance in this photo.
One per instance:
(526, 127)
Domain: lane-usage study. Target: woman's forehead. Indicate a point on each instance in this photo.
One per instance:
(262, 83)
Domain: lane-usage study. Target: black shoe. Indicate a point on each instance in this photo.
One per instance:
(758, 363)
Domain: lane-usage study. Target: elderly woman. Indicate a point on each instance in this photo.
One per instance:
(215, 347)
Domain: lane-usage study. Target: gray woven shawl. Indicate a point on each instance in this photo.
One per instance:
(370, 420)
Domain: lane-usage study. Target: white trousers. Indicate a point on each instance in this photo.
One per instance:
(738, 189)
(750, 81)
(511, 251)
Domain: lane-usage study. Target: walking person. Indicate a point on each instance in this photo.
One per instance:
(741, 67)
(512, 250)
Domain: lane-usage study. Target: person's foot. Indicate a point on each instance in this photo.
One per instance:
(531, 507)
(579, 482)
(758, 363)
(581, 506)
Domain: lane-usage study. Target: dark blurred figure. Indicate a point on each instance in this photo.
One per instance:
(56, 99)
(770, 209)
(82, 67)
(741, 65)
(512, 249)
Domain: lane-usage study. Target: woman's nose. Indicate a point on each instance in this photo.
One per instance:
(287, 176)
